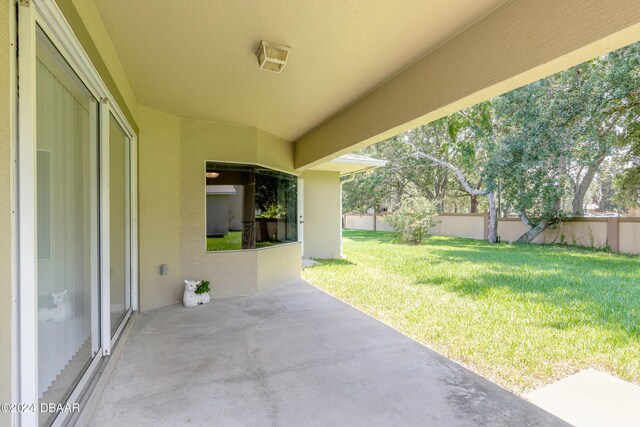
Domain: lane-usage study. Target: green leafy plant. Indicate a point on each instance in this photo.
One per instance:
(274, 211)
(203, 287)
(413, 219)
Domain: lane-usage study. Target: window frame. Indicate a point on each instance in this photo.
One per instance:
(293, 175)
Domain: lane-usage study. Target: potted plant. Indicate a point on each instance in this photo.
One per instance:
(196, 293)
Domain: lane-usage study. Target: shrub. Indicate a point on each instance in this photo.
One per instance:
(413, 219)
(274, 211)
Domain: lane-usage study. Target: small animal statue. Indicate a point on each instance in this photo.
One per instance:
(58, 310)
(190, 298)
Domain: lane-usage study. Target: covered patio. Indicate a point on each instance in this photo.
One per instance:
(290, 356)
(115, 118)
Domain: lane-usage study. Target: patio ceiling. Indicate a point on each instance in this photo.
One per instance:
(196, 59)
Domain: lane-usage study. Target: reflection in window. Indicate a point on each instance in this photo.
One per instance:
(67, 227)
(249, 207)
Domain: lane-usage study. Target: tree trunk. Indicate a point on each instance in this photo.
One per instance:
(474, 204)
(580, 190)
(533, 232)
(493, 219)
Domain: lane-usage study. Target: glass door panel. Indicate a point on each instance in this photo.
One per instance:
(67, 226)
(119, 228)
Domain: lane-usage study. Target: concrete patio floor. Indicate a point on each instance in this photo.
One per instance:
(591, 398)
(293, 356)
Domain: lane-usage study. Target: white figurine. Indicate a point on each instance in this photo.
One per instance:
(59, 311)
(190, 298)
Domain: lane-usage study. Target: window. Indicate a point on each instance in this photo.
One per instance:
(249, 207)
(67, 232)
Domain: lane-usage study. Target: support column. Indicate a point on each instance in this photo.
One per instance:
(249, 212)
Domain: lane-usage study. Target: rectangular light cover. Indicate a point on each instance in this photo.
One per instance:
(272, 56)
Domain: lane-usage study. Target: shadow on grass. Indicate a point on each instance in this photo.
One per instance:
(546, 258)
(369, 236)
(332, 262)
(591, 292)
(589, 287)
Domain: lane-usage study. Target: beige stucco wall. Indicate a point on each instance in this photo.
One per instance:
(366, 222)
(359, 222)
(159, 207)
(322, 231)
(173, 152)
(274, 152)
(630, 237)
(581, 232)
(230, 273)
(510, 230)
(6, 294)
(278, 265)
(471, 226)
(382, 224)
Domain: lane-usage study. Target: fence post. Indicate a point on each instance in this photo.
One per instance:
(485, 217)
(613, 234)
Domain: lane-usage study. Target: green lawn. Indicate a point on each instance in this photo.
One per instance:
(232, 242)
(520, 315)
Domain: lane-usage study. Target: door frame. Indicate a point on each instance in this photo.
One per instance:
(46, 15)
(300, 214)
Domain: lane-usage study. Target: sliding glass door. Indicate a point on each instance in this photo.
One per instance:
(76, 218)
(67, 218)
(120, 224)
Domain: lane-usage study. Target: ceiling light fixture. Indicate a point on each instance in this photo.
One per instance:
(212, 174)
(272, 56)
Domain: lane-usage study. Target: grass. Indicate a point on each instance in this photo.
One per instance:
(233, 242)
(230, 242)
(521, 315)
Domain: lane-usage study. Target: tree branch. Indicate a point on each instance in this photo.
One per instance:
(457, 172)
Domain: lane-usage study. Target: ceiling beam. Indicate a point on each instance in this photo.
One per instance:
(520, 42)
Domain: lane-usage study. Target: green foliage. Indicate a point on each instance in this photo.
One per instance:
(557, 133)
(628, 186)
(413, 219)
(383, 187)
(203, 287)
(276, 194)
(464, 139)
(273, 211)
(549, 148)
